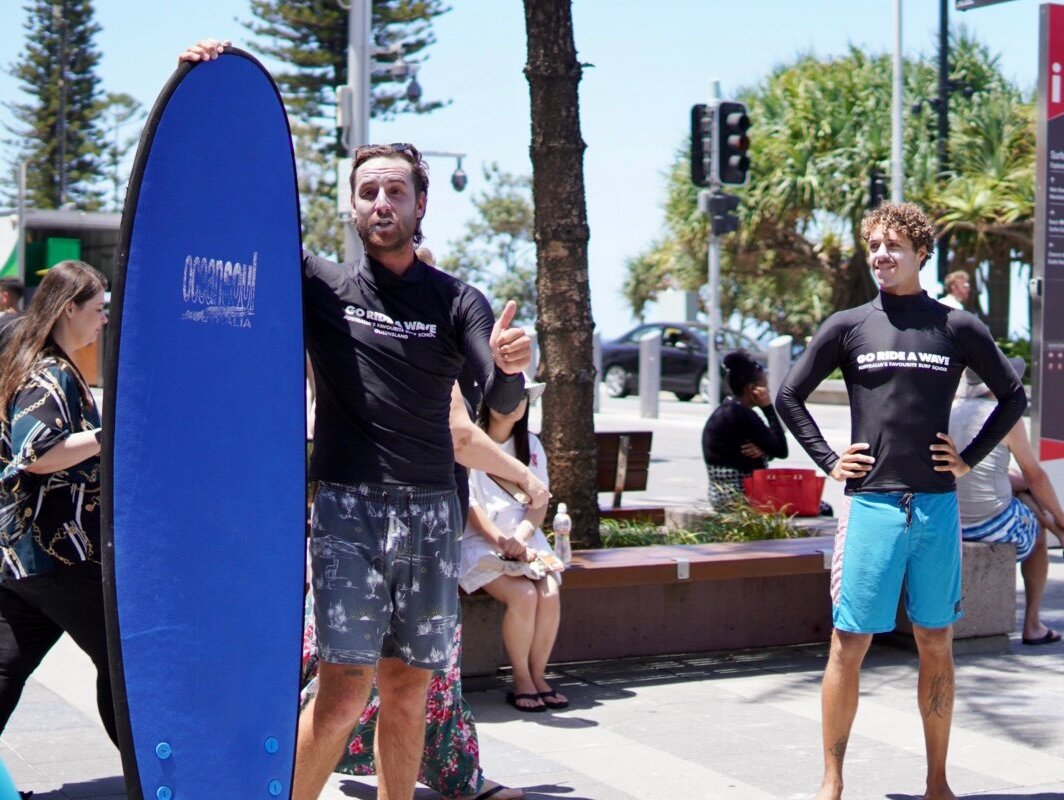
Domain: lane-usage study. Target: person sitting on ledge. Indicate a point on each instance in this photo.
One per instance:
(735, 441)
(998, 505)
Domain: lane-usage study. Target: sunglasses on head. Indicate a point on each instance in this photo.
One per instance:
(398, 147)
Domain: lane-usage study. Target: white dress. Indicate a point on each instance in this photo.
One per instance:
(503, 510)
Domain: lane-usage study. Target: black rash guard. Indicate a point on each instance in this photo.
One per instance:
(731, 426)
(902, 357)
(386, 351)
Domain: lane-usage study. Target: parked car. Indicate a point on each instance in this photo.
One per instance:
(683, 358)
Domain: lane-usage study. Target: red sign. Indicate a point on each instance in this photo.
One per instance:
(1054, 77)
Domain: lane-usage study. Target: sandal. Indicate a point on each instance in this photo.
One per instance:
(512, 699)
(494, 790)
(1051, 637)
(553, 704)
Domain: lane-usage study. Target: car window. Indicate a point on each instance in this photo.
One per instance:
(672, 337)
(634, 336)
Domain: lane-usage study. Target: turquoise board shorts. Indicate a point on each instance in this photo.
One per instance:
(893, 537)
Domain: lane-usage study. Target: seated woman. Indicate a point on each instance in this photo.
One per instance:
(735, 441)
(502, 527)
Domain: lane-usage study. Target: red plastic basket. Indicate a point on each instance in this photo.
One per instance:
(790, 491)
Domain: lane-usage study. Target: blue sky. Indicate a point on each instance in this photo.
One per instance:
(652, 61)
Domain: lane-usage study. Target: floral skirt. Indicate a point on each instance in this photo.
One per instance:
(450, 762)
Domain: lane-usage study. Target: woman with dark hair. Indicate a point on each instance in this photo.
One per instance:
(50, 486)
(502, 552)
(735, 441)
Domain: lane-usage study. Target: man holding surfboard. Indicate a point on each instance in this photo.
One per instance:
(387, 338)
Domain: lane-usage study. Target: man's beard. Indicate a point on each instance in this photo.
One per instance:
(399, 236)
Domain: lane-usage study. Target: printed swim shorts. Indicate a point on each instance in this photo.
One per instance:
(385, 562)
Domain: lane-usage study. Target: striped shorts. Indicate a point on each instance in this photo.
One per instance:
(1017, 524)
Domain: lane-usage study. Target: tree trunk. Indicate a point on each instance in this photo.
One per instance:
(998, 289)
(564, 323)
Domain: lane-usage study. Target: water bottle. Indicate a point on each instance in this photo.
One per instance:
(562, 524)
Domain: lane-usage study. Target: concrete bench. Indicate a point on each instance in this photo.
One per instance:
(660, 600)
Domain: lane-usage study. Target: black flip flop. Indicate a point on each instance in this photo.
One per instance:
(553, 704)
(1051, 637)
(512, 699)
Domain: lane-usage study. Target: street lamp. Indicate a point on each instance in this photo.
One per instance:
(459, 179)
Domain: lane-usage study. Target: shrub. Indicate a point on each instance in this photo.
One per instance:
(738, 522)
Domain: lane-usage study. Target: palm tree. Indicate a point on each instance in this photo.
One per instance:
(987, 207)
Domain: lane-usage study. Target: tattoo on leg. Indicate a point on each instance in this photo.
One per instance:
(838, 750)
(355, 672)
(941, 700)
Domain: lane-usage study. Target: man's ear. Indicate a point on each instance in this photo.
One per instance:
(422, 204)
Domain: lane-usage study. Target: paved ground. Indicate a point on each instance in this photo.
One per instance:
(742, 725)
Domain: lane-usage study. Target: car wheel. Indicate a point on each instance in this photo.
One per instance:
(683, 397)
(616, 380)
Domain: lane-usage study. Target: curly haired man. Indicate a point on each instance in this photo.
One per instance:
(902, 355)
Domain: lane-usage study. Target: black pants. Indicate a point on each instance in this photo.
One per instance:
(34, 613)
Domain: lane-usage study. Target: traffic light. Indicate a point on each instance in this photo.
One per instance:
(701, 144)
(877, 187)
(722, 216)
(731, 124)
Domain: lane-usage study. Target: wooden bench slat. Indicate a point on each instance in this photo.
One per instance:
(623, 462)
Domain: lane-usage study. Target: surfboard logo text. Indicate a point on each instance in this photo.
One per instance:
(219, 291)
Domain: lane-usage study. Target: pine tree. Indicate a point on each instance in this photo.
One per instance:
(311, 35)
(57, 132)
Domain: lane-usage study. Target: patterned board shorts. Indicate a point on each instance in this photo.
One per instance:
(1017, 524)
(385, 563)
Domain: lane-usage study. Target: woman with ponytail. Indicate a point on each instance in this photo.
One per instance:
(735, 440)
(50, 576)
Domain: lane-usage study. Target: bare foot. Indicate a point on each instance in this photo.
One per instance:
(942, 792)
(505, 793)
(829, 791)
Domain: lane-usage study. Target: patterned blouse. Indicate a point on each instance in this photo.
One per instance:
(47, 521)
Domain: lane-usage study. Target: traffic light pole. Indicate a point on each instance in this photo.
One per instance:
(718, 156)
(713, 301)
(943, 120)
(714, 326)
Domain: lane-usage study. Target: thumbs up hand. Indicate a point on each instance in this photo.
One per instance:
(510, 347)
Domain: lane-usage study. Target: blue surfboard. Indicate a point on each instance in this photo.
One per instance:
(204, 449)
